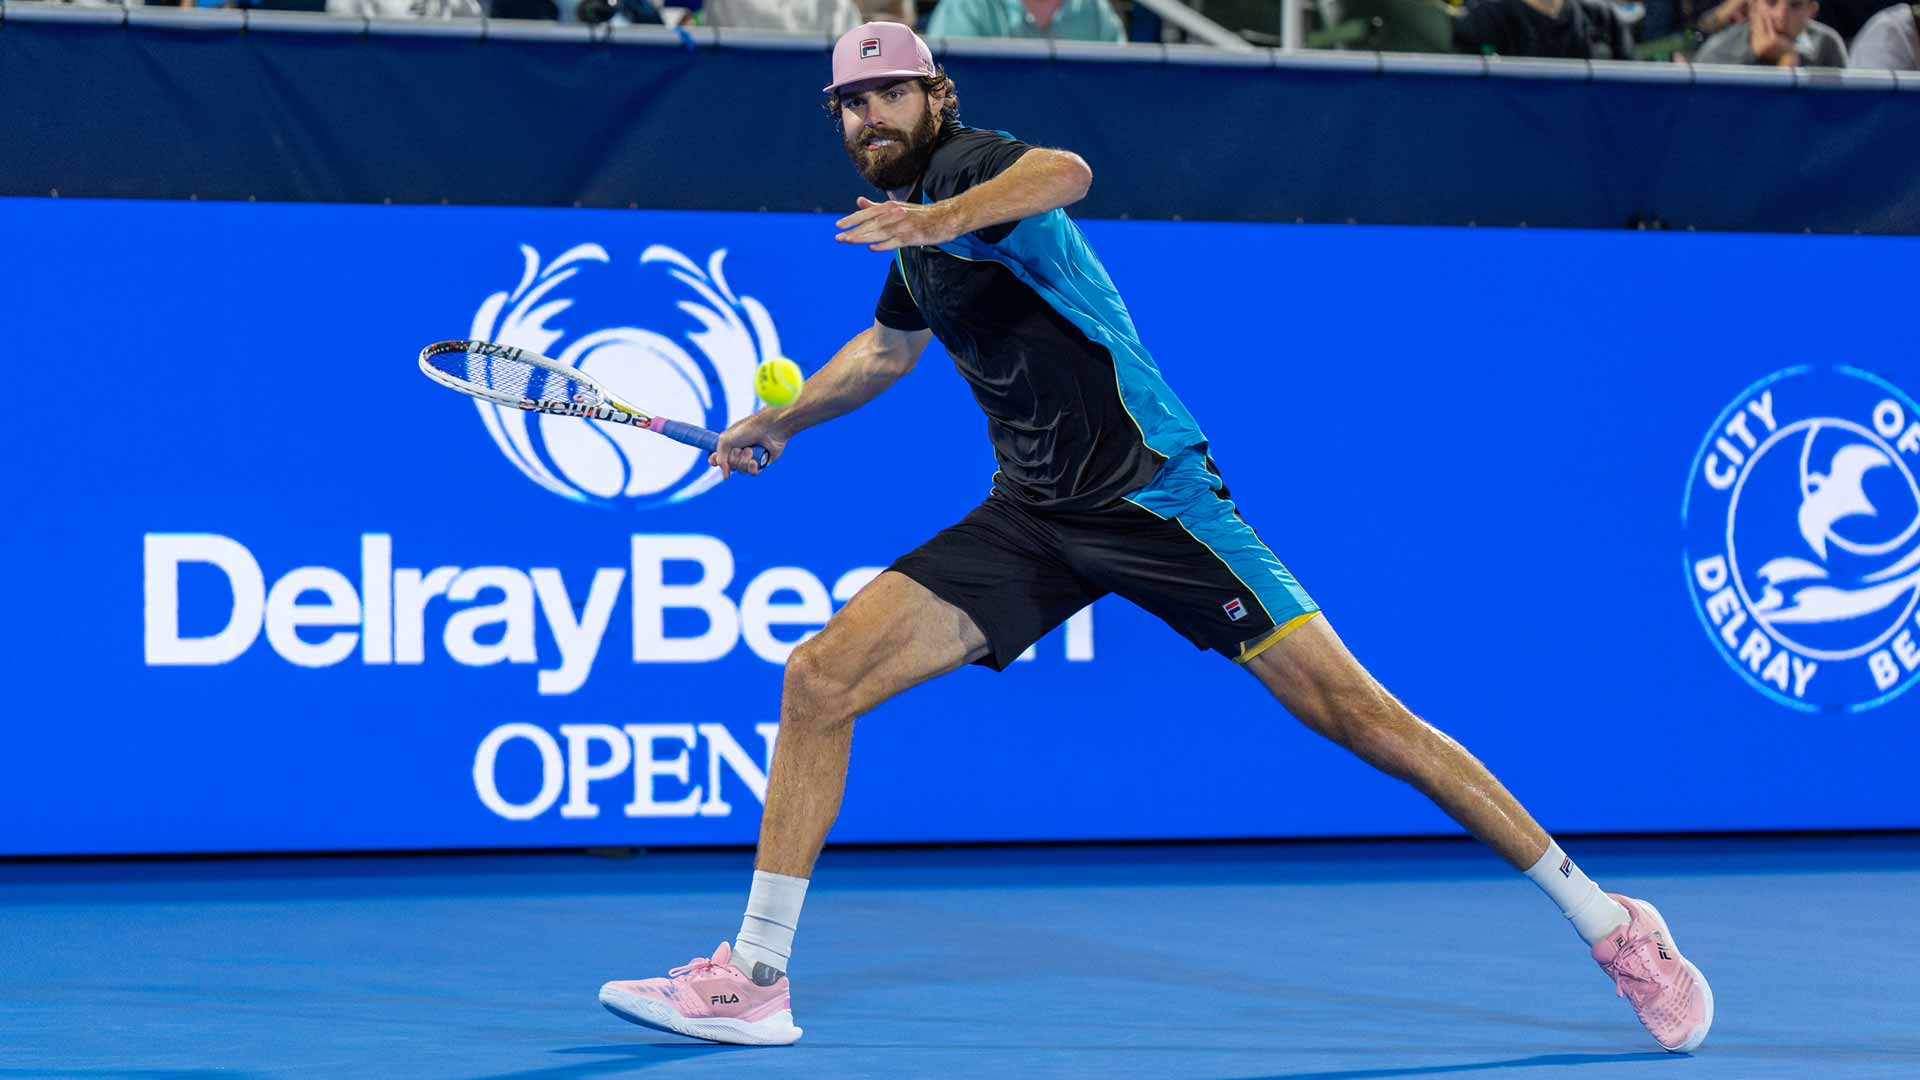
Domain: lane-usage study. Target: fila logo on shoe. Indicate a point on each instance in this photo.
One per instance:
(1662, 946)
(725, 999)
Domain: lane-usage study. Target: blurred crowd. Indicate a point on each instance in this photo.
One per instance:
(1776, 33)
(1780, 33)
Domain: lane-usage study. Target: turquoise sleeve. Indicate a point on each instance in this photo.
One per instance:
(958, 18)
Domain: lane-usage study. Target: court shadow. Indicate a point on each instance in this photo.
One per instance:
(617, 1058)
(1534, 1062)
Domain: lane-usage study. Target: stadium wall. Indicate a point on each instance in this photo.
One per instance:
(237, 105)
(271, 590)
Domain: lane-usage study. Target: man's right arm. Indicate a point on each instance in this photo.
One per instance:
(863, 367)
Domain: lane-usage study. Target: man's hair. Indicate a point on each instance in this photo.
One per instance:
(938, 83)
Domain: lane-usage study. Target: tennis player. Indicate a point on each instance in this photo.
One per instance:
(1104, 486)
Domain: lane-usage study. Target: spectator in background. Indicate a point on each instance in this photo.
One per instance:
(895, 11)
(835, 17)
(1063, 20)
(1890, 41)
(1722, 15)
(408, 9)
(1566, 29)
(1777, 32)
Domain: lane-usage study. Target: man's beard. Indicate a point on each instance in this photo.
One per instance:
(896, 166)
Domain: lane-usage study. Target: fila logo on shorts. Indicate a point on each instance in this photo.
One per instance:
(869, 48)
(1235, 609)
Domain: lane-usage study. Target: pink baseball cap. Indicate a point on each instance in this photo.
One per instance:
(879, 50)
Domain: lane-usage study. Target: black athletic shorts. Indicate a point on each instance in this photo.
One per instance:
(1019, 572)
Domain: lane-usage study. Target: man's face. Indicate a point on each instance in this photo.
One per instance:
(889, 127)
(1789, 17)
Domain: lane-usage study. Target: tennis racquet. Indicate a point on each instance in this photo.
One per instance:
(526, 380)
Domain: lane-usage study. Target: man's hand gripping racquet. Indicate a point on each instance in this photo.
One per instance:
(525, 380)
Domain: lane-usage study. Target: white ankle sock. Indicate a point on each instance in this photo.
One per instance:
(1592, 912)
(765, 942)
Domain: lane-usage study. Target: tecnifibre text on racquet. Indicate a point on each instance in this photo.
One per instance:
(527, 380)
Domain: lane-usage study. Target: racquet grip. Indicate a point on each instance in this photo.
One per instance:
(695, 435)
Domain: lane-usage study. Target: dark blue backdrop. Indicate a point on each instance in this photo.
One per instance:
(1481, 481)
(159, 112)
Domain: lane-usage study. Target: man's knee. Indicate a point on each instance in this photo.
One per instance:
(817, 693)
(1363, 718)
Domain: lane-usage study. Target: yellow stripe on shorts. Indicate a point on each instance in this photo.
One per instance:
(1249, 652)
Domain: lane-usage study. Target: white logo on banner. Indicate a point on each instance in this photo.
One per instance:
(712, 385)
(651, 762)
(1803, 538)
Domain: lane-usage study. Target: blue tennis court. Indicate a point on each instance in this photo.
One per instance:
(1314, 961)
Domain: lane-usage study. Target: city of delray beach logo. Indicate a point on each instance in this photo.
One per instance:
(1802, 519)
(575, 309)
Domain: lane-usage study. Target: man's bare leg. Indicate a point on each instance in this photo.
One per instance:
(1319, 681)
(1322, 685)
(1325, 688)
(892, 636)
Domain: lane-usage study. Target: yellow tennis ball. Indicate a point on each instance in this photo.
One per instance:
(778, 381)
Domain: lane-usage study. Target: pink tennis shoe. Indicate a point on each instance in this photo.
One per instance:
(708, 999)
(1667, 992)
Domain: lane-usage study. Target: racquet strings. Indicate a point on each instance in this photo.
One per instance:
(515, 378)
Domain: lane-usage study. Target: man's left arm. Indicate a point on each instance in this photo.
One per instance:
(1041, 180)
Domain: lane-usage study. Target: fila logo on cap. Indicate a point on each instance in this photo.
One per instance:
(1235, 609)
(869, 48)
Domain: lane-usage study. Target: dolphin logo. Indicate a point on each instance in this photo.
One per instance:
(1795, 590)
(1837, 493)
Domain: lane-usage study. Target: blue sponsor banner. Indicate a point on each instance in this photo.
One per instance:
(273, 590)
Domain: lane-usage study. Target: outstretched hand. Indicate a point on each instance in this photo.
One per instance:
(884, 226)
